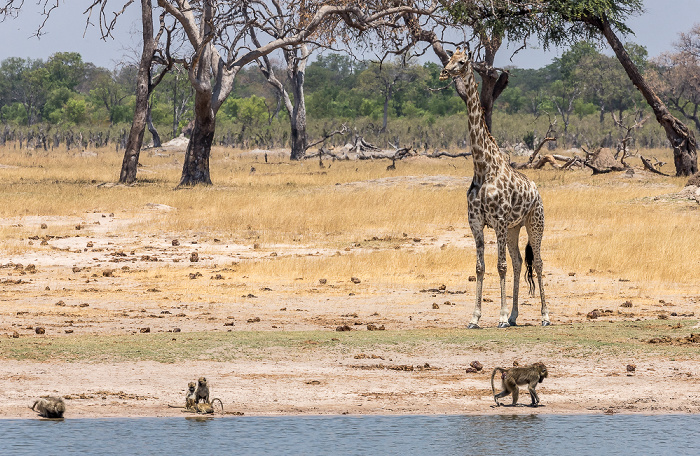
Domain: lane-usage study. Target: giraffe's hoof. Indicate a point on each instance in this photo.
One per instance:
(546, 323)
(504, 324)
(512, 323)
(473, 326)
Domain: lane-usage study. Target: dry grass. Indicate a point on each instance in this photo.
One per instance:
(607, 223)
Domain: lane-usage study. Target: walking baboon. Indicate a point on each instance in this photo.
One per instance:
(50, 407)
(511, 378)
(191, 398)
(202, 390)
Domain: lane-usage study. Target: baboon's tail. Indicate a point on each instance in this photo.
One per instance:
(529, 258)
(493, 388)
(221, 404)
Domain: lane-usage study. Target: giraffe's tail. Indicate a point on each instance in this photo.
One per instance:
(529, 258)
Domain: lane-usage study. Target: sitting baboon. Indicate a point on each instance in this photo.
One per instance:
(191, 398)
(202, 390)
(50, 407)
(511, 378)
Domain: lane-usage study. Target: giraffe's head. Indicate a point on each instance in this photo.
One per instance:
(459, 64)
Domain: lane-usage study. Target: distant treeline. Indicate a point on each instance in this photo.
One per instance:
(65, 102)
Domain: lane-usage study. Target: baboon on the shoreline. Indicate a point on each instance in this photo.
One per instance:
(50, 407)
(208, 407)
(202, 390)
(191, 398)
(511, 378)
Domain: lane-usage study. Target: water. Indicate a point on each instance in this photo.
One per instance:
(358, 435)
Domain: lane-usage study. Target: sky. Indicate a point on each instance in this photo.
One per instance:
(657, 29)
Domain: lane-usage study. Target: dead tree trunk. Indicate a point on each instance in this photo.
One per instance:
(143, 80)
(297, 73)
(682, 140)
(195, 169)
(152, 128)
(492, 83)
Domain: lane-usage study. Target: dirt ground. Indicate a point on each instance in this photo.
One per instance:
(100, 282)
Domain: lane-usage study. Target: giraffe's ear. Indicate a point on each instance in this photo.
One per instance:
(450, 54)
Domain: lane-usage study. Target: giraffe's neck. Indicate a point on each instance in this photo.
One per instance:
(485, 153)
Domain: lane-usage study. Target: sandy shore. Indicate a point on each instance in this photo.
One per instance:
(102, 284)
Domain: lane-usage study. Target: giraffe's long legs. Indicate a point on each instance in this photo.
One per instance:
(502, 240)
(517, 260)
(478, 234)
(534, 232)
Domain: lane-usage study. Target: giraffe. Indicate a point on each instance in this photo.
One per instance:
(499, 197)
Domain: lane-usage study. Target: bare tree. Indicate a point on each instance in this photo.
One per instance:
(677, 76)
(218, 33)
(682, 139)
(296, 58)
(145, 84)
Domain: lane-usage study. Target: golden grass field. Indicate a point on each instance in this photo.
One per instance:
(280, 242)
(607, 223)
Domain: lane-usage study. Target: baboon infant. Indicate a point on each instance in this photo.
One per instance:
(50, 407)
(511, 378)
(202, 390)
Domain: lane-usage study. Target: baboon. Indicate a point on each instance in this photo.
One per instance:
(207, 407)
(202, 390)
(191, 398)
(50, 407)
(511, 378)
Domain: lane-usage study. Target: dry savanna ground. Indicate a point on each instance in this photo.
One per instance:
(114, 297)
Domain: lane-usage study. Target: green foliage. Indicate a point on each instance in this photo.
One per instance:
(250, 111)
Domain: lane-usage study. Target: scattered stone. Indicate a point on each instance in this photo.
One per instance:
(471, 370)
(477, 365)
(84, 304)
(435, 305)
(631, 367)
(343, 328)
(252, 320)
(230, 323)
(691, 339)
(60, 304)
(15, 335)
(313, 382)
(175, 242)
(78, 227)
(217, 277)
(194, 257)
(108, 273)
(372, 327)
(44, 226)
(145, 330)
(626, 304)
(69, 331)
(90, 244)
(355, 280)
(322, 281)
(194, 275)
(40, 330)
(572, 274)
(609, 411)
(176, 330)
(472, 278)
